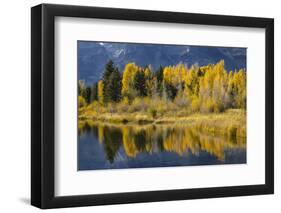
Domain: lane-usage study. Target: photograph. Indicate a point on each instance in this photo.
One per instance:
(143, 105)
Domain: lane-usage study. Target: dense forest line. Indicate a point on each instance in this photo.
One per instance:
(202, 89)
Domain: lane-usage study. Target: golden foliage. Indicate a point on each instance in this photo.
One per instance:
(128, 76)
(81, 101)
(100, 92)
(175, 75)
(204, 89)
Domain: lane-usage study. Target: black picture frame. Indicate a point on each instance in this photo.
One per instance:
(43, 102)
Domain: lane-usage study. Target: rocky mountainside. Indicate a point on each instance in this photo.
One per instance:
(92, 56)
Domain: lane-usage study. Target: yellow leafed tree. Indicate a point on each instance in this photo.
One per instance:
(175, 75)
(100, 92)
(127, 81)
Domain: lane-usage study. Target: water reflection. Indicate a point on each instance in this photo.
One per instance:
(104, 146)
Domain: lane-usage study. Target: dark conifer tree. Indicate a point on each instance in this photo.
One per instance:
(109, 69)
(88, 94)
(140, 84)
(94, 92)
(170, 90)
(159, 77)
(114, 86)
(112, 143)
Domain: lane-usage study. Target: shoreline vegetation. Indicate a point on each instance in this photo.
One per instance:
(231, 123)
(208, 98)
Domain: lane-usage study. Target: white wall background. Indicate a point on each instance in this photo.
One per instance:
(15, 105)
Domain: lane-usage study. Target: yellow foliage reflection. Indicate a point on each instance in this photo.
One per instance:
(180, 139)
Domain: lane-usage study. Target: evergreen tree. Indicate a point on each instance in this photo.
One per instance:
(112, 143)
(109, 69)
(111, 83)
(159, 77)
(94, 92)
(170, 91)
(113, 88)
(88, 94)
(139, 83)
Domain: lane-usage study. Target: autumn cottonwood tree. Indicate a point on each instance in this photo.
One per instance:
(100, 92)
(81, 88)
(239, 89)
(174, 77)
(84, 91)
(128, 89)
(203, 89)
(149, 82)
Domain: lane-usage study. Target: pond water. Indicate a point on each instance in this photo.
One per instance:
(103, 146)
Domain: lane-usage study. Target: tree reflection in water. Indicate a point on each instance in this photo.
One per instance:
(180, 139)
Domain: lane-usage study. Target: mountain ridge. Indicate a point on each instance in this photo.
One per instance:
(92, 56)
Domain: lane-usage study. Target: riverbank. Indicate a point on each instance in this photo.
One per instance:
(231, 123)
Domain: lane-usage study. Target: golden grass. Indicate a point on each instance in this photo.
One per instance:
(231, 123)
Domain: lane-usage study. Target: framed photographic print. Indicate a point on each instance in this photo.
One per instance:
(139, 106)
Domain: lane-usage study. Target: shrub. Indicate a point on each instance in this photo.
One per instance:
(152, 112)
(138, 105)
(195, 105)
(218, 107)
(81, 101)
(123, 106)
(232, 131)
(111, 108)
(207, 106)
(181, 101)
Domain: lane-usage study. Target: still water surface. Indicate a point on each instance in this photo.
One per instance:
(103, 146)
